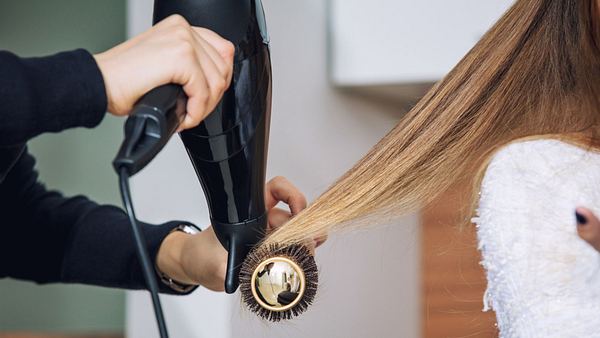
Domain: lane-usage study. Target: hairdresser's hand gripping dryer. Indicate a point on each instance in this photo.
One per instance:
(229, 148)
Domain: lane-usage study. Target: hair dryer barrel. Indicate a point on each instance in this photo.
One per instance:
(229, 148)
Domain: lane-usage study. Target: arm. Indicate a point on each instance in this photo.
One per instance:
(33, 90)
(74, 89)
(542, 279)
(49, 238)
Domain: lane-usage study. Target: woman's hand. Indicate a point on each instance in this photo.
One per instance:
(588, 227)
(170, 52)
(201, 259)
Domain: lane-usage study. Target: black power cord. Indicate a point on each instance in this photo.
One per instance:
(153, 120)
(142, 252)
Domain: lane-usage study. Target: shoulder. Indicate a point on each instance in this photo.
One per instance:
(541, 156)
(539, 178)
(539, 161)
(532, 255)
(533, 187)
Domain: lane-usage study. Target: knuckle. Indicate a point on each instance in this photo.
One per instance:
(279, 179)
(228, 50)
(178, 19)
(220, 85)
(185, 49)
(183, 33)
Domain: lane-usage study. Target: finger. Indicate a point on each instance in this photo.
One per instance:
(588, 227)
(198, 91)
(320, 240)
(311, 246)
(215, 79)
(279, 189)
(202, 81)
(277, 217)
(223, 46)
(224, 66)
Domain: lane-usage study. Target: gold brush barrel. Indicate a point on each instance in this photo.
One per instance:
(279, 282)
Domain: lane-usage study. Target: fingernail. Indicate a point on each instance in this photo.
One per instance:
(581, 220)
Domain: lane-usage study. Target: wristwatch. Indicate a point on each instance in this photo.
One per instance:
(170, 282)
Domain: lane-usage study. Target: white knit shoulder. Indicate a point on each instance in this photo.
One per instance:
(543, 280)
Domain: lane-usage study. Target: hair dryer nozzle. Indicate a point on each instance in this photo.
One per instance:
(238, 239)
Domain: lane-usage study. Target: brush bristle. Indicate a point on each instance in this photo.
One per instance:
(297, 253)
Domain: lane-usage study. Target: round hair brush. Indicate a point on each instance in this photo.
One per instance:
(279, 282)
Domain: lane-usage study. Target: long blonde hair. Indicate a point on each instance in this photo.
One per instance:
(536, 72)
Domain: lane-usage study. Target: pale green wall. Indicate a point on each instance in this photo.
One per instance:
(75, 162)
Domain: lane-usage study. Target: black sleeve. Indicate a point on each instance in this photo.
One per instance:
(46, 237)
(48, 94)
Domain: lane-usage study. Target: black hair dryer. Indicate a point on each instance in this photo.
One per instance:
(229, 148)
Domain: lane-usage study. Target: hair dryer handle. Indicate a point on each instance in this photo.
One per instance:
(154, 118)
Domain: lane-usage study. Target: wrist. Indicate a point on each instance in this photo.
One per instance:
(100, 62)
(169, 259)
(104, 64)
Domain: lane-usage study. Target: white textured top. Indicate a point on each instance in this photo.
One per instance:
(543, 280)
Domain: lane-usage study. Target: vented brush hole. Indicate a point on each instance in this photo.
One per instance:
(278, 284)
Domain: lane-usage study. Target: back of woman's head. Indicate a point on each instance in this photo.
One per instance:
(536, 72)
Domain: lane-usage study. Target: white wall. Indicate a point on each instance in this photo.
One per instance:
(400, 41)
(369, 280)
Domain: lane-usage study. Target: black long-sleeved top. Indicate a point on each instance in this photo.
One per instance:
(44, 236)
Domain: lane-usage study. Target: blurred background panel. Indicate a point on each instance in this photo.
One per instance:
(452, 280)
(402, 41)
(394, 49)
(75, 162)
